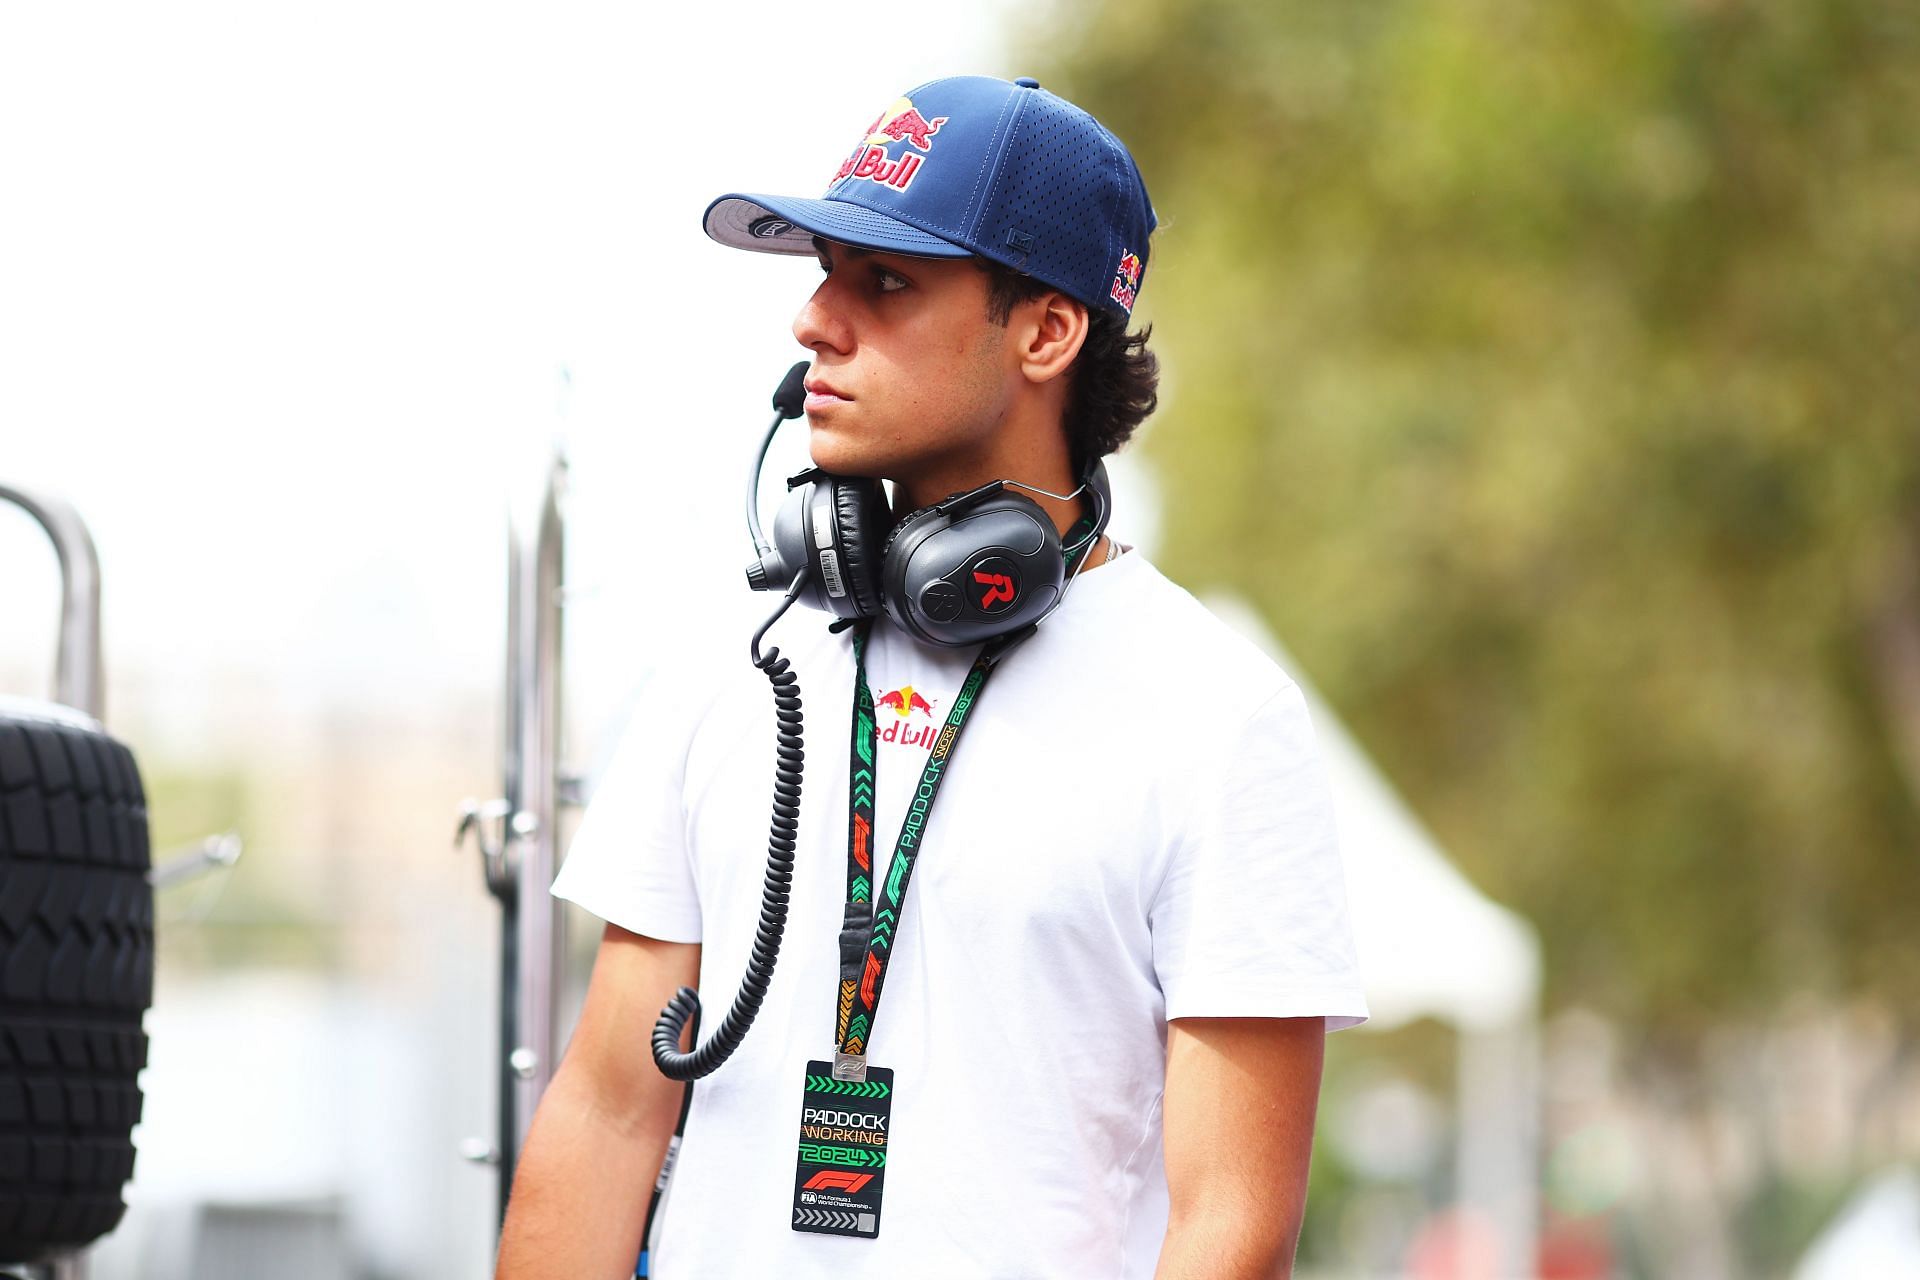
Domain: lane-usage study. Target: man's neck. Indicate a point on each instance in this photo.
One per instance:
(1030, 445)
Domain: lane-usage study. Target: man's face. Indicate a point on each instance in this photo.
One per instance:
(910, 376)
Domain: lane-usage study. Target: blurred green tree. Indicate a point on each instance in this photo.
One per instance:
(1547, 374)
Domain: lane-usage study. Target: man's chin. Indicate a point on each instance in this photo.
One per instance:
(832, 452)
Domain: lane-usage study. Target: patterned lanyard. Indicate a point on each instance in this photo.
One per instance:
(866, 934)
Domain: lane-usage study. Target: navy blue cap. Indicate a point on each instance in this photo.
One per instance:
(974, 165)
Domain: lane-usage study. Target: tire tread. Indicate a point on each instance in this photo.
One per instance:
(76, 978)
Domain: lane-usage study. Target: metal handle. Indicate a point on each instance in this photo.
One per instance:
(77, 679)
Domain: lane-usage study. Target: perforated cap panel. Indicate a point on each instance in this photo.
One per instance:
(972, 164)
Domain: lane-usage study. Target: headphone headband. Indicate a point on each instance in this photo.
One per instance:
(973, 566)
(978, 564)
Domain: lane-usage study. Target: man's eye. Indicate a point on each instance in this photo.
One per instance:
(889, 282)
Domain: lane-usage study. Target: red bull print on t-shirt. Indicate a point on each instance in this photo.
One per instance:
(912, 724)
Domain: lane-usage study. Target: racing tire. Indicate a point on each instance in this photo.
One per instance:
(76, 978)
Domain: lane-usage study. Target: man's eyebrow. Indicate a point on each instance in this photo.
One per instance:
(820, 244)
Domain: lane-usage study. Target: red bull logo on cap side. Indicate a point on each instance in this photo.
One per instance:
(898, 123)
(1126, 281)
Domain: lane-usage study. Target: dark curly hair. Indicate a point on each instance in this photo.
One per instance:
(1115, 378)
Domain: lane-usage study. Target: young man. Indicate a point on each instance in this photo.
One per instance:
(1126, 936)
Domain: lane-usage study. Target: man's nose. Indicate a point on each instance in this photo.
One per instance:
(821, 322)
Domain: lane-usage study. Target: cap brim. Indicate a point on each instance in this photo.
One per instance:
(787, 224)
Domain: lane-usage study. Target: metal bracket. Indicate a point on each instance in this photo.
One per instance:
(188, 861)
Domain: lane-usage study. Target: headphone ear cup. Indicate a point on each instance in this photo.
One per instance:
(893, 534)
(958, 574)
(860, 522)
(892, 600)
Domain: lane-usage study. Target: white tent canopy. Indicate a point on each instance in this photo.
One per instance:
(1430, 944)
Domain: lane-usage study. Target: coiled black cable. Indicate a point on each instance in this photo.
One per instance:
(774, 893)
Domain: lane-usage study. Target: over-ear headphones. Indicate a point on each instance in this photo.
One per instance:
(973, 566)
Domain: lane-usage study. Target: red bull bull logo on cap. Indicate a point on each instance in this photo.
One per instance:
(1126, 281)
(898, 123)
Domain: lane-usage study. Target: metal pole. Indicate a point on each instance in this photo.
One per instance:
(518, 855)
(77, 678)
(532, 951)
(1497, 1164)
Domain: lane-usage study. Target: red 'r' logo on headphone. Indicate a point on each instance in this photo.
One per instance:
(999, 589)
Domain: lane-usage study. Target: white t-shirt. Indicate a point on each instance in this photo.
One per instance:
(1134, 827)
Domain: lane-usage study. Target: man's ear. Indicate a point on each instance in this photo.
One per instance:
(1052, 329)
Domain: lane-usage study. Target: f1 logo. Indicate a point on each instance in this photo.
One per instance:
(837, 1180)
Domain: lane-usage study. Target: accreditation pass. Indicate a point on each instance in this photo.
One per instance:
(842, 1168)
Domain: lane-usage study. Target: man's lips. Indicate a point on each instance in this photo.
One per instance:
(823, 395)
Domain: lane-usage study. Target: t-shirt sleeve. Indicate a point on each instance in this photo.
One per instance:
(629, 862)
(1251, 917)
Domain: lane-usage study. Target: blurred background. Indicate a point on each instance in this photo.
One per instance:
(1541, 385)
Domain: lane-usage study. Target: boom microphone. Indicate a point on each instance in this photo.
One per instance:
(789, 401)
(791, 397)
